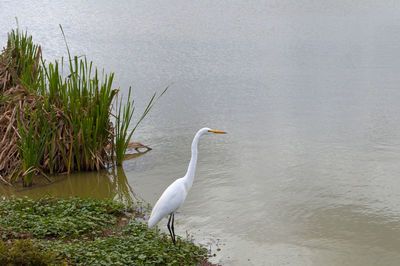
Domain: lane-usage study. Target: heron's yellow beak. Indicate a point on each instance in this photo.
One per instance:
(217, 131)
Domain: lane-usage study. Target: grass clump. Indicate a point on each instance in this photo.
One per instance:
(52, 123)
(86, 232)
(24, 252)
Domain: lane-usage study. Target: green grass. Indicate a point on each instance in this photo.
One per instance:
(86, 232)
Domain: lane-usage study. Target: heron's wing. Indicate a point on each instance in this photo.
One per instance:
(171, 199)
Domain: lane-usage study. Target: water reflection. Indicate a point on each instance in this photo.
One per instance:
(108, 183)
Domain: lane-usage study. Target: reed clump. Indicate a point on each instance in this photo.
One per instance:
(53, 123)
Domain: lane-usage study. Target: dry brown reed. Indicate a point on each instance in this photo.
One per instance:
(17, 103)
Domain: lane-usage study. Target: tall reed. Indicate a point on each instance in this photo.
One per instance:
(123, 120)
(33, 132)
(25, 57)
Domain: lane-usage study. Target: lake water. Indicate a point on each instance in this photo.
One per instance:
(309, 92)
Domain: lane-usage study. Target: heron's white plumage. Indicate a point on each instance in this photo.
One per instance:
(174, 196)
(171, 199)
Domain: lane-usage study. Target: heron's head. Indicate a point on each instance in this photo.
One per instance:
(207, 130)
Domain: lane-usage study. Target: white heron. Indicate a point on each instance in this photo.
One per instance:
(173, 197)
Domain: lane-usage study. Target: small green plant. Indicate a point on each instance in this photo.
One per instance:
(86, 232)
(137, 246)
(50, 217)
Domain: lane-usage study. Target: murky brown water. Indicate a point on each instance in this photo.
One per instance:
(308, 91)
(110, 183)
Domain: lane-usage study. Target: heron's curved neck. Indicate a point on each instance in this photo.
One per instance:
(192, 164)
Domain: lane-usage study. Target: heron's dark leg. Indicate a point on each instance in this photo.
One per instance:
(172, 227)
(169, 228)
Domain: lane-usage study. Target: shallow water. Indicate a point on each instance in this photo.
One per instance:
(308, 91)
